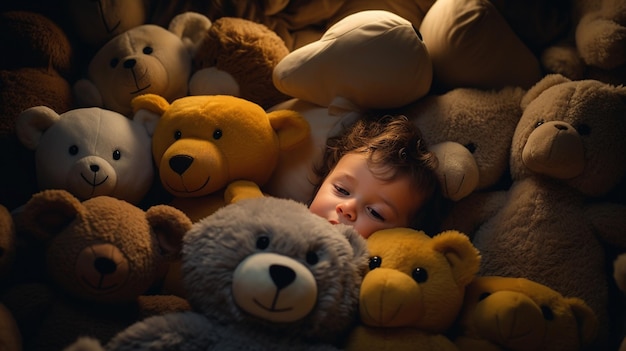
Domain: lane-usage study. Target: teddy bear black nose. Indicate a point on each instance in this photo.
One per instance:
(281, 275)
(94, 168)
(180, 163)
(130, 63)
(104, 265)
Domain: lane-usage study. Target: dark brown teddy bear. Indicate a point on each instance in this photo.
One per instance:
(103, 258)
(35, 69)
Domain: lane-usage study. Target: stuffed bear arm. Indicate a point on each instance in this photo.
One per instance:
(470, 212)
(172, 331)
(609, 221)
(241, 189)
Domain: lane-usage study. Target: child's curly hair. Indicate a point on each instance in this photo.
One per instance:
(394, 147)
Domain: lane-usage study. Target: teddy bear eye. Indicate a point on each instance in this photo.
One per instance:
(419, 275)
(262, 242)
(583, 129)
(117, 154)
(471, 147)
(547, 313)
(538, 123)
(312, 258)
(178, 134)
(73, 150)
(113, 63)
(147, 50)
(217, 134)
(375, 262)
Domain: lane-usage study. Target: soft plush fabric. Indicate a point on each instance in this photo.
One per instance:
(329, 72)
(36, 69)
(566, 154)
(88, 152)
(144, 59)
(470, 131)
(237, 57)
(596, 45)
(101, 258)
(413, 290)
(472, 45)
(10, 336)
(261, 274)
(201, 144)
(507, 313)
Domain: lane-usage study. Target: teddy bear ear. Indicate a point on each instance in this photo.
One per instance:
(548, 81)
(147, 110)
(290, 126)
(586, 319)
(358, 243)
(463, 257)
(87, 94)
(32, 123)
(169, 225)
(191, 27)
(48, 212)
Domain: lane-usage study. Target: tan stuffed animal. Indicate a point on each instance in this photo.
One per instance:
(470, 131)
(413, 291)
(236, 57)
(567, 153)
(144, 59)
(506, 313)
(104, 260)
(596, 47)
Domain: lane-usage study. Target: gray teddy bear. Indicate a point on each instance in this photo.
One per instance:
(260, 274)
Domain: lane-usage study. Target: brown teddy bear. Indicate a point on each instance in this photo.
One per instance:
(596, 45)
(470, 131)
(262, 274)
(10, 336)
(104, 259)
(236, 57)
(507, 313)
(35, 70)
(413, 291)
(552, 225)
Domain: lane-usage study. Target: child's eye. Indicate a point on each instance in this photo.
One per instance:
(341, 190)
(375, 214)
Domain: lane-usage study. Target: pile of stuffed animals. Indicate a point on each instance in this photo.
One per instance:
(159, 155)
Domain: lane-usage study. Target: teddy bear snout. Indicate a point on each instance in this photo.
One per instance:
(274, 287)
(102, 268)
(555, 149)
(91, 176)
(390, 298)
(512, 319)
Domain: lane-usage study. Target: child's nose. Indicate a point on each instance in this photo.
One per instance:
(346, 209)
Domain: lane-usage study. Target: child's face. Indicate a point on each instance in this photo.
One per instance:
(351, 194)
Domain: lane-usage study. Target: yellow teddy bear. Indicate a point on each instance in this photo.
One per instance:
(414, 290)
(202, 144)
(507, 313)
